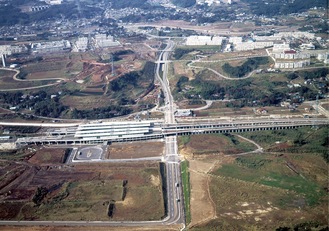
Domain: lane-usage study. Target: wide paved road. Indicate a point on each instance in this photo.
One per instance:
(174, 190)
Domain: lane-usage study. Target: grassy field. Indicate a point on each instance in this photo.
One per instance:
(285, 187)
(301, 140)
(274, 172)
(214, 144)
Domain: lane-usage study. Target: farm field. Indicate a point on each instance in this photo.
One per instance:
(284, 187)
(41, 187)
(135, 150)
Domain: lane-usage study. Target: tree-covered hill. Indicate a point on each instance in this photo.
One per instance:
(274, 7)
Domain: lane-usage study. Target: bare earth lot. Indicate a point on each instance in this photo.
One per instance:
(135, 150)
(43, 188)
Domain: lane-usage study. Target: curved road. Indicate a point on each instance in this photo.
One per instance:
(29, 80)
(219, 74)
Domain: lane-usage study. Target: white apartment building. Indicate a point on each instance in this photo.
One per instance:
(102, 40)
(297, 34)
(275, 37)
(283, 64)
(5, 50)
(81, 44)
(291, 54)
(204, 40)
(247, 46)
(12, 49)
(235, 40)
(279, 48)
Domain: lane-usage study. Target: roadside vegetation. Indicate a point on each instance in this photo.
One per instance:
(186, 189)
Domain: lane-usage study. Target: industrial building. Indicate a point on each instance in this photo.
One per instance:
(102, 40)
(81, 44)
(53, 46)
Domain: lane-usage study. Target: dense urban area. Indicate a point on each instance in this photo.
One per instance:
(164, 114)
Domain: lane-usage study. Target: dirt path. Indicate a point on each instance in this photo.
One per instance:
(258, 150)
(219, 74)
(202, 206)
(59, 80)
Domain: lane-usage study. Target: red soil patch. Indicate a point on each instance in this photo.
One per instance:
(48, 156)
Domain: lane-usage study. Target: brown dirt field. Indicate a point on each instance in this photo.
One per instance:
(204, 144)
(202, 206)
(85, 103)
(325, 106)
(5, 111)
(46, 156)
(135, 150)
(70, 190)
(180, 69)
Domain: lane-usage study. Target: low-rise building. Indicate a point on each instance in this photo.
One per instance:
(102, 40)
(280, 47)
(250, 45)
(53, 46)
(204, 40)
(235, 40)
(286, 64)
(81, 44)
(183, 113)
(291, 54)
(307, 46)
(297, 34)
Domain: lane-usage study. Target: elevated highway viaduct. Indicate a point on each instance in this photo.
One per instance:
(162, 130)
